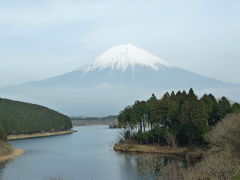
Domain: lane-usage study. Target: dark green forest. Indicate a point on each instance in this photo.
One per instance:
(3, 137)
(25, 118)
(177, 119)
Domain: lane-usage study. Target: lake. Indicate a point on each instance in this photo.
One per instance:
(85, 155)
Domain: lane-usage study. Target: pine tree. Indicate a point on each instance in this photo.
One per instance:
(166, 95)
(235, 107)
(172, 95)
(224, 107)
(191, 95)
(194, 122)
(152, 104)
(153, 98)
(125, 117)
(211, 104)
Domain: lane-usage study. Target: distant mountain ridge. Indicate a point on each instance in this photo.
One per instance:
(121, 74)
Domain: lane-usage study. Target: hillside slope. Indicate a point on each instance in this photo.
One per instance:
(24, 118)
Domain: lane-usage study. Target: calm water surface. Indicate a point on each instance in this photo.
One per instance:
(85, 155)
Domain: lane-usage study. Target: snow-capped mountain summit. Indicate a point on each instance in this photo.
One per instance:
(127, 56)
(113, 80)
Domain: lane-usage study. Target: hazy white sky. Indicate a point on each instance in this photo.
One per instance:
(40, 39)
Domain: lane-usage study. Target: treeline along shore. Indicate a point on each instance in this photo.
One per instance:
(19, 120)
(183, 124)
(92, 121)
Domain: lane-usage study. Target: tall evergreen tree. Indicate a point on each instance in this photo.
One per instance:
(224, 107)
(194, 122)
(191, 95)
(152, 104)
(211, 105)
(235, 107)
(166, 96)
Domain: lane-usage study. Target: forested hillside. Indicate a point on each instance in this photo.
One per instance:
(24, 118)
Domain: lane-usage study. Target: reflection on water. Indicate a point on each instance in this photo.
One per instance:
(154, 166)
(86, 155)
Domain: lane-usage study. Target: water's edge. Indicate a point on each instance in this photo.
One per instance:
(15, 153)
(37, 135)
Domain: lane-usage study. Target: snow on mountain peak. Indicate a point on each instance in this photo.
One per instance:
(124, 56)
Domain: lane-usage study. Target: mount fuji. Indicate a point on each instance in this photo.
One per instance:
(116, 78)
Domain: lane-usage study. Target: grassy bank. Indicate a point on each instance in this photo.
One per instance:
(15, 153)
(155, 149)
(7, 152)
(36, 135)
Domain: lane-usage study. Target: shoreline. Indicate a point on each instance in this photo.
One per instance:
(15, 153)
(154, 149)
(37, 135)
(92, 122)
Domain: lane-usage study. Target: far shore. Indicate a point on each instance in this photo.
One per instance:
(90, 122)
(155, 149)
(36, 135)
(15, 153)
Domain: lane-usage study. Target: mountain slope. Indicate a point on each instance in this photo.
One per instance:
(128, 65)
(121, 74)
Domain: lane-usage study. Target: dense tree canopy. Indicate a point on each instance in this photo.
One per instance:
(175, 119)
(3, 137)
(24, 118)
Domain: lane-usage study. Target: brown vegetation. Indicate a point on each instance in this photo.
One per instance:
(156, 149)
(35, 135)
(222, 160)
(7, 152)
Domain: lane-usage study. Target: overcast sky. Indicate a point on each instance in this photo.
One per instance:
(40, 39)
